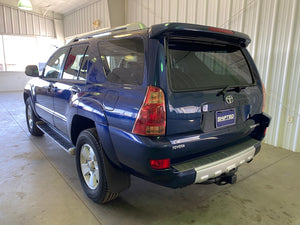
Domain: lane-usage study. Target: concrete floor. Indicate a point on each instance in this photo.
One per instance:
(39, 185)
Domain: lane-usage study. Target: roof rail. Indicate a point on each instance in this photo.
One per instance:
(108, 30)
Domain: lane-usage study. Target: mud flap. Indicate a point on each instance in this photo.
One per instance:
(117, 179)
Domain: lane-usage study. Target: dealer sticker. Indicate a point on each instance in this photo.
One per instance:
(225, 118)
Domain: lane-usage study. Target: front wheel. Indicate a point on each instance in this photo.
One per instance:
(31, 120)
(90, 167)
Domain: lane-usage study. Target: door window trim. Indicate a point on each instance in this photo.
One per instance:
(77, 75)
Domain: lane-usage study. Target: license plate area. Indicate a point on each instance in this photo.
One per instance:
(225, 118)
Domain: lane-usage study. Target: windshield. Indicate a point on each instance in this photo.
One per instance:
(202, 66)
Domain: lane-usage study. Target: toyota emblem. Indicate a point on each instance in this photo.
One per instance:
(229, 99)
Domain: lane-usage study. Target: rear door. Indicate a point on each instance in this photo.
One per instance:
(213, 91)
(123, 63)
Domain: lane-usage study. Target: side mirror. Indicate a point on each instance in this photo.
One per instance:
(32, 71)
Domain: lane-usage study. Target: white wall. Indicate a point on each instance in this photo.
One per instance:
(274, 27)
(13, 81)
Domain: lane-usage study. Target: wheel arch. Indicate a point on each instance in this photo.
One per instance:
(25, 96)
(30, 93)
(91, 115)
(80, 123)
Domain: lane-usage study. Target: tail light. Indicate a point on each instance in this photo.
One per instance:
(160, 164)
(151, 119)
(220, 30)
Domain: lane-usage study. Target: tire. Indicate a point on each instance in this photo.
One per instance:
(90, 162)
(31, 120)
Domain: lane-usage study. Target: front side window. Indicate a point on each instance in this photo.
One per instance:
(54, 65)
(123, 60)
(76, 63)
(203, 66)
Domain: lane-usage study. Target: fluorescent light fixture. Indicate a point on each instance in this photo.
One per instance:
(25, 5)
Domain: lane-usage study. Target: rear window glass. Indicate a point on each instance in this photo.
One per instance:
(202, 66)
(123, 60)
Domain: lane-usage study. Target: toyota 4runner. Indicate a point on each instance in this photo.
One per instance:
(174, 104)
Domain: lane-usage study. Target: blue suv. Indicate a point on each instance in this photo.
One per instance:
(174, 104)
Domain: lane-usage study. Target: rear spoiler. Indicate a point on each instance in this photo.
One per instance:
(197, 31)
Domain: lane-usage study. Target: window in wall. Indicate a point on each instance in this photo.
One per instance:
(16, 52)
(19, 52)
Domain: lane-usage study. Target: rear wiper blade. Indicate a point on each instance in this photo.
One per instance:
(230, 87)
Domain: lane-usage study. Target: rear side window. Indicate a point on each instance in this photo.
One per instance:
(123, 60)
(202, 66)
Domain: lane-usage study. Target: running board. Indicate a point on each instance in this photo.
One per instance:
(57, 136)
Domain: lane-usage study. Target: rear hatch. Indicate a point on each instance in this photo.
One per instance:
(212, 91)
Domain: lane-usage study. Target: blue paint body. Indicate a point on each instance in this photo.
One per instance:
(113, 107)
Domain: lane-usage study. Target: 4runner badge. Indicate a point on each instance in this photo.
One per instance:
(229, 99)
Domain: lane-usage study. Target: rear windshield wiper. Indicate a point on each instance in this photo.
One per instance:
(231, 88)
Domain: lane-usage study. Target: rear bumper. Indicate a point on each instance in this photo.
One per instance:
(224, 166)
(221, 162)
(134, 153)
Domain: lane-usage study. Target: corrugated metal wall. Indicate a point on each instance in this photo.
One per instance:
(81, 20)
(273, 25)
(17, 22)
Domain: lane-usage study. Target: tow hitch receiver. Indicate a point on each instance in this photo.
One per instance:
(226, 179)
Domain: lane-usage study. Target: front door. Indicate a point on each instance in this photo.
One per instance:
(46, 87)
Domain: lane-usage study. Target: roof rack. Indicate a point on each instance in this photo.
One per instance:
(108, 31)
